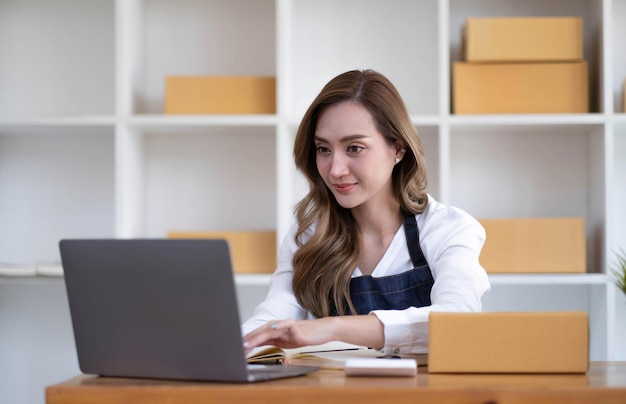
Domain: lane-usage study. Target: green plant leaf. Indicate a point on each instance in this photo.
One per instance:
(619, 272)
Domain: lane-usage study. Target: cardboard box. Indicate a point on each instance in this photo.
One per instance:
(506, 342)
(220, 95)
(523, 39)
(524, 88)
(251, 252)
(534, 245)
(493, 380)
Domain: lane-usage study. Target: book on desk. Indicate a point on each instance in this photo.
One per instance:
(331, 355)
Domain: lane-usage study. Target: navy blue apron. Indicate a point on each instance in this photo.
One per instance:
(395, 292)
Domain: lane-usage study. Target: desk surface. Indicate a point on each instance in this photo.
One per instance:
(604, 383)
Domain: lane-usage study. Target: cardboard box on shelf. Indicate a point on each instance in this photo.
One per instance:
(252, 252)
(523, 39)
(520, 88)
(508, 342)
(220, 95)
(534, 245)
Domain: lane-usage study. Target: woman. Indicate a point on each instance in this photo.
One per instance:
(371, 254)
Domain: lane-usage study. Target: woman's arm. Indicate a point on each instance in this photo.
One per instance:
(365, 330)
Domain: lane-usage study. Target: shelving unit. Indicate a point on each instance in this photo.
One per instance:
(85, 150)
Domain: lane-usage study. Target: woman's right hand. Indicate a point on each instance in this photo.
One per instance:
(364, 330)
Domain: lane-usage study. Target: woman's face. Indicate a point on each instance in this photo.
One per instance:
(353, 158)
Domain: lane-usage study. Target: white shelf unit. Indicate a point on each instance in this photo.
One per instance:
(86, 151)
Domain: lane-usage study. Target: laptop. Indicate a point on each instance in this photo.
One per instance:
(158, 308)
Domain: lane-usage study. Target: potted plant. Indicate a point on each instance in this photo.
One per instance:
(619, 272)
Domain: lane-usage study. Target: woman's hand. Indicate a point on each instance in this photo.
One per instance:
(364, 330)
(291, 333)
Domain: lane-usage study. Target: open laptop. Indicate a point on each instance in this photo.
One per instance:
(158, 308)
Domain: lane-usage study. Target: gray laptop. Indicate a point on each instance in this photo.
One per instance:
(158, 308)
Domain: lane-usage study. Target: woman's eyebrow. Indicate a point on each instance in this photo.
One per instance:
(343, 139)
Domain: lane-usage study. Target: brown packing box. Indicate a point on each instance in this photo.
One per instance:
(507, 342)
(220, 95)
(491, 380)
(527, 88)
(534, 245)
(251, 252)
(523, 39)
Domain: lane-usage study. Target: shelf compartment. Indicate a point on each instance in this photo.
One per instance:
(524, 171)
(199, 38)
(395, 38)
(532, 172)
(54, 183)
(58, 58)
(207, 179)
(589, 10)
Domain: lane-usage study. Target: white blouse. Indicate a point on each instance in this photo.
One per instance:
(451, 241)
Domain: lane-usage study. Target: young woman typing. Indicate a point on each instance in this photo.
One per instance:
(371, 253)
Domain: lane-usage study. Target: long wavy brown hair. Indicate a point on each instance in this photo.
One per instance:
(324, 263)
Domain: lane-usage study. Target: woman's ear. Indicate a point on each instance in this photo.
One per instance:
(400, 150)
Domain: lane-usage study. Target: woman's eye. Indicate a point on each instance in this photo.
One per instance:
(323, 149)
(354, 149)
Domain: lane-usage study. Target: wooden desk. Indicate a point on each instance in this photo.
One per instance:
(604, 383)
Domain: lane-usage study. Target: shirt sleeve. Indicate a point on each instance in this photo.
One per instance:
(280, 302)
(451, 241)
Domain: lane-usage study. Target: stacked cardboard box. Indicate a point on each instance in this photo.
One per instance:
(521, 65)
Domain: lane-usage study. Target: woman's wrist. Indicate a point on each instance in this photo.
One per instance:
(366, 330)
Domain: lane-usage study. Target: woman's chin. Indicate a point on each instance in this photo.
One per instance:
(347, 203)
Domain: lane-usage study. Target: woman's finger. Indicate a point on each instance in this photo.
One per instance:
(268, 334)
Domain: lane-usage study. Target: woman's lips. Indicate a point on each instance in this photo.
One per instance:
(344, 188)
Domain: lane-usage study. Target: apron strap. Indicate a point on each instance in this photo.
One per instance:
(412, 240)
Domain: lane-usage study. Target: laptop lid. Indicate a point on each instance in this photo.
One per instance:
(156, 308)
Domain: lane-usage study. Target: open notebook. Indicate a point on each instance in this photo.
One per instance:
(326, 356)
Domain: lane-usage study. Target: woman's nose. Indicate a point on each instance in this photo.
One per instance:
(339, 166)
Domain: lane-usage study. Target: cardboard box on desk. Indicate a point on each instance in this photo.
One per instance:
(534, 245)
(520, 88)
(507, 342)
(220, 95)
(523, 39)
(251, 252)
